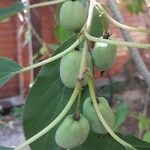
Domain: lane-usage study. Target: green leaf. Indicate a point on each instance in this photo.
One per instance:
(146, 137)
(66, 44)
(8, 68)
(62, 34)
(45, 101)
(106, 142)
(99, 24)
(135, 6)
(11, 10)
(144, 122)
(121, 113)
(5, 148)
(53, 47)
(137, 143)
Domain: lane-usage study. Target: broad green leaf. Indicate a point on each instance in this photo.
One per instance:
(66, 44)
(146, 137)
(62, 34)
(135, 6)
(8, 68)
(45, 101)
(114, 87)
(53, 47)
(5, 148)
(137, 143)
(144, 122)
(11, 10)
(99, 24)
(106, 142)
(121, 113)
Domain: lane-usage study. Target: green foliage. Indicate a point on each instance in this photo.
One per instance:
(53, 47)
(135, 6)
(144, 122)
(106, 142)
(45, 101)
(11, 10)
(114, 87)
(99, 24)
(49, 96)
(8, 68)
(121, 113)
(146, 137)
(62, 34)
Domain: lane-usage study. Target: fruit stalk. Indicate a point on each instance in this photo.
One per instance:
(78, 102)
(56, 121)
(93, 97)
(117, 42)
(83, 61)
(120, 25)
(90, 14)
(69, 49)
(44, 4)
(85, 48)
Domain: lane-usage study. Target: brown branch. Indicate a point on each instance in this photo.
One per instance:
(142, 69)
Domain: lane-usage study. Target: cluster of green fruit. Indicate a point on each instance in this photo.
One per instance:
(73, 15)
(74, 130)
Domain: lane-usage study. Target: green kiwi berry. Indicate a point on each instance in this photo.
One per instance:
(90, 114)
(104, 55)
(70, 66)
(72, 132)
(73, 15)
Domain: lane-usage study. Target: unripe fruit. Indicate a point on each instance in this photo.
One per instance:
(72, 133)
(73, 15)
(104, 55)
(90, 113)
(70, 66)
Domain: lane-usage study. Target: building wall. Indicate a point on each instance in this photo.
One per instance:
(8, 49)
(9, 46)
